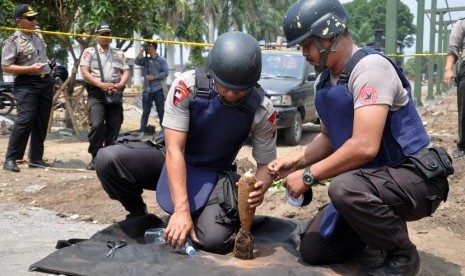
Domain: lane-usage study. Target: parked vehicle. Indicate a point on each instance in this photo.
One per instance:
(289, 81)
(7, 102)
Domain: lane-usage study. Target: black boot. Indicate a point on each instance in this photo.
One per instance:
(135, 206)
(137, 213)
(91, 165)
(399, 262)
(10, 165)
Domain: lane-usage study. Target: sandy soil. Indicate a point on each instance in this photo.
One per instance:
(73, 193)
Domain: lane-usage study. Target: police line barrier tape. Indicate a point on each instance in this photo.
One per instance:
(185, 43)
(159, 41)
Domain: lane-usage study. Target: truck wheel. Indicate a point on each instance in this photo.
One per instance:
(293, 134)
(7, 103)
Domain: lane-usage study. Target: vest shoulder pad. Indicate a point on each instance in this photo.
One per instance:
(324, 77)
(203, 83)
(350, 65)
(254, 98)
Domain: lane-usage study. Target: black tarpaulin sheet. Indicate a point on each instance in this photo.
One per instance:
(275, 253)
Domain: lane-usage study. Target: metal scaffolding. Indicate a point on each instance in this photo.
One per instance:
(438, 42)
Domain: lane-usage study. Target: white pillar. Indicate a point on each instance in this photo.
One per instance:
(137, 69)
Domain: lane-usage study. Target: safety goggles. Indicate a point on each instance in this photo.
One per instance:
(29, 18)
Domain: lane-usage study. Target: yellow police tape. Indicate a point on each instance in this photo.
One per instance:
(185, 43)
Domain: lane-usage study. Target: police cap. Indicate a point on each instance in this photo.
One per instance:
(23, 10)
(103, 28)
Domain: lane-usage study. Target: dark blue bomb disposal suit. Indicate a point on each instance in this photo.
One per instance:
(379, 198)
(126, 168)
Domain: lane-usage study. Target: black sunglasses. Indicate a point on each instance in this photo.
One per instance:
(29, 18)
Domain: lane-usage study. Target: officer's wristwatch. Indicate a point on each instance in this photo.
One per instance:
(308, 177)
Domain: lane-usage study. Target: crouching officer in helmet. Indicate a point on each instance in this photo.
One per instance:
(370, 142)
(24, 55)
(208, 116)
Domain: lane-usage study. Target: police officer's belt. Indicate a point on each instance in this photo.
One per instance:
(34, 77)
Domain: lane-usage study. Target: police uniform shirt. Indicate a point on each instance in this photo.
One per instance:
(25, 50)
(263, 128)
(375, 81)
(113, 63)
(457, 40)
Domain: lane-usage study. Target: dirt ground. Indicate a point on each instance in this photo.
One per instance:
(75, 193)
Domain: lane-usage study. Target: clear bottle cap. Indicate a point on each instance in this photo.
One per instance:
(190, 251)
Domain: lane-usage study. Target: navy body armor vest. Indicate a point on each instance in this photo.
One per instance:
(403, 135)
(218, 130)
(216, 134)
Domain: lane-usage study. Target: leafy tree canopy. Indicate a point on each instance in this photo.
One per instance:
(373, 13)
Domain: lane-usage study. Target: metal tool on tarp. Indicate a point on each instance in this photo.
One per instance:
(113, 245)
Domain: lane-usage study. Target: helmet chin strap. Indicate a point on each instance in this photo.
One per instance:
(324, 52)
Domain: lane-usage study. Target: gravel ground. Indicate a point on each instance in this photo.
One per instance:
(29, 234)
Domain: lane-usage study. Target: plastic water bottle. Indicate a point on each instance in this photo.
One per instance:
(157, 236)
(303, 200)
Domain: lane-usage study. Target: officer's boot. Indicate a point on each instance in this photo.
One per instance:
(135, 206)
(91, 165)
(399, 262)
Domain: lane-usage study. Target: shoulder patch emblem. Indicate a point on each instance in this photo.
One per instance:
(368, 95)
(181, 92)
(86, 54)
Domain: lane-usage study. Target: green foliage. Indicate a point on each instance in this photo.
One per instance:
(277, 186)
(362, 35)
(373, 13)
(409, 67)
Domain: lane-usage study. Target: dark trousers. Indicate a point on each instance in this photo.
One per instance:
(147, 100)
(33, 96)
(105, 123)
(461, 106)
(126, 168)
(374, 206)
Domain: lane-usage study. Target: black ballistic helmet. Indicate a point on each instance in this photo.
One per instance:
(235, 61)
(306, 18)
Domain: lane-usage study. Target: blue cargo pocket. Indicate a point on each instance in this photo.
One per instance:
(329, 221)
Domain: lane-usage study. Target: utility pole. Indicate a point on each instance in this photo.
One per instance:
(419, 50)
(432, 35)
(391, 28)
(137, 79)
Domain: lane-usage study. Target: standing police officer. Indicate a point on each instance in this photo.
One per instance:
(24, 56)
(104, 120)
(456, 53)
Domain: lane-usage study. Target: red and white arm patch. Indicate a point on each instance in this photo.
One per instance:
(86, 54)
(368, 95)
(181, 92)
(272, 120)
